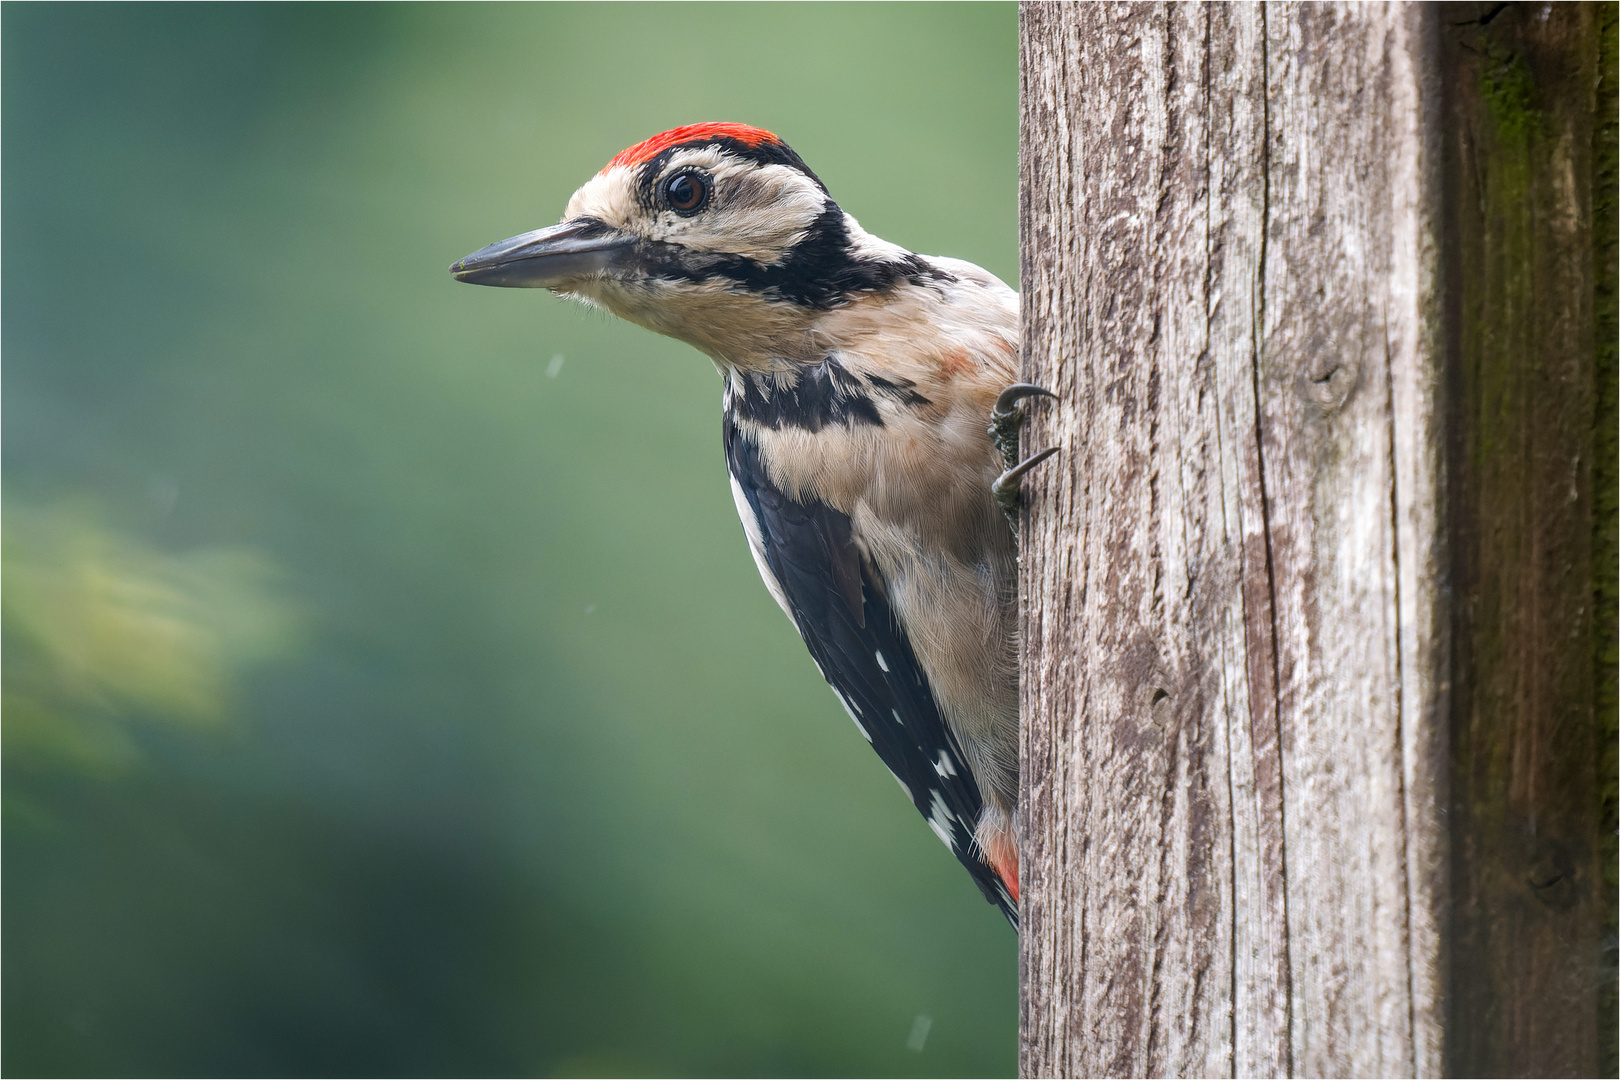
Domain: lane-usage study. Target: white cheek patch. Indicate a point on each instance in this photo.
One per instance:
(756, 212)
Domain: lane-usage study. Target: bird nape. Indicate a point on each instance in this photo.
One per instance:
(859, 382)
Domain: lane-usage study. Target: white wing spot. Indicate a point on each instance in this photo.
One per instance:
(944, 765)
(851, 710)
(939, 818)
(882, 663)
(903, 788)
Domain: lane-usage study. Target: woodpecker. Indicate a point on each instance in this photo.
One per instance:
(870, 427)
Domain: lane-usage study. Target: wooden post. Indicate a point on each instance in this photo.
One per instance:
(1312, 769)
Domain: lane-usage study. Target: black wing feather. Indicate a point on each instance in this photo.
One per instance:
(839, 605)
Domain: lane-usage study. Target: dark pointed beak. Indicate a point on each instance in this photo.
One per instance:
(545, 258)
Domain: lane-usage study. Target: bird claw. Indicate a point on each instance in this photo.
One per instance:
(1015, 393)
(1005, 488)
(1006, 418)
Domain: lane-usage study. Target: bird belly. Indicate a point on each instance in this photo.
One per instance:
(960, 618)
(920, 511)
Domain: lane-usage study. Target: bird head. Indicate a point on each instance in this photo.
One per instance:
(716, 234)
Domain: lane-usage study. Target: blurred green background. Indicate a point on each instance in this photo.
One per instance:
(388, 688)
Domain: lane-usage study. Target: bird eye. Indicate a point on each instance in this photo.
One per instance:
(686, 192)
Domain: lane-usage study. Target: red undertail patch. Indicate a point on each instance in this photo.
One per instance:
(1002, 855)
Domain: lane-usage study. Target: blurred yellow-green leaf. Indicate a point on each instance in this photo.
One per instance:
(102, 630)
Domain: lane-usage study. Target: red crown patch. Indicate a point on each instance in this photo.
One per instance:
(642, 151)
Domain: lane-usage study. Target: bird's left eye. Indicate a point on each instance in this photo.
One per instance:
(686, 192)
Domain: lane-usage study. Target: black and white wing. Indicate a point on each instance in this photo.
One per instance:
(811, 564)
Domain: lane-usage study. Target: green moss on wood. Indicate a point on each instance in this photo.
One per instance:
(1606, 496)
(1509, 93)
(1533, 783)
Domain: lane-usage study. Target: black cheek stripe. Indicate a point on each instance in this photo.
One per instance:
(818, 272)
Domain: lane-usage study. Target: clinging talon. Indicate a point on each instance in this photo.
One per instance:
(1006, 486)
(1007, 401)
(1007, 417)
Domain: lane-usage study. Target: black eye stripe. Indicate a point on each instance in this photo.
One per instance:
(686, 191)
(817, 272)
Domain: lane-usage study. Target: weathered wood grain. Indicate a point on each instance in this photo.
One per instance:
(1152, 870)
(1528, 955)
(1319, 598)
(1347, 308)
(1235, 657)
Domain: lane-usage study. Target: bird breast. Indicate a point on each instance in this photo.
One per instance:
(889, 429)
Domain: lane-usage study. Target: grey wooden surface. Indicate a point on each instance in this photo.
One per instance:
(1319, 597)
(1234, 690)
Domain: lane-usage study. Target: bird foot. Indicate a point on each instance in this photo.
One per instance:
(1006, 419)
(1005, 488)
